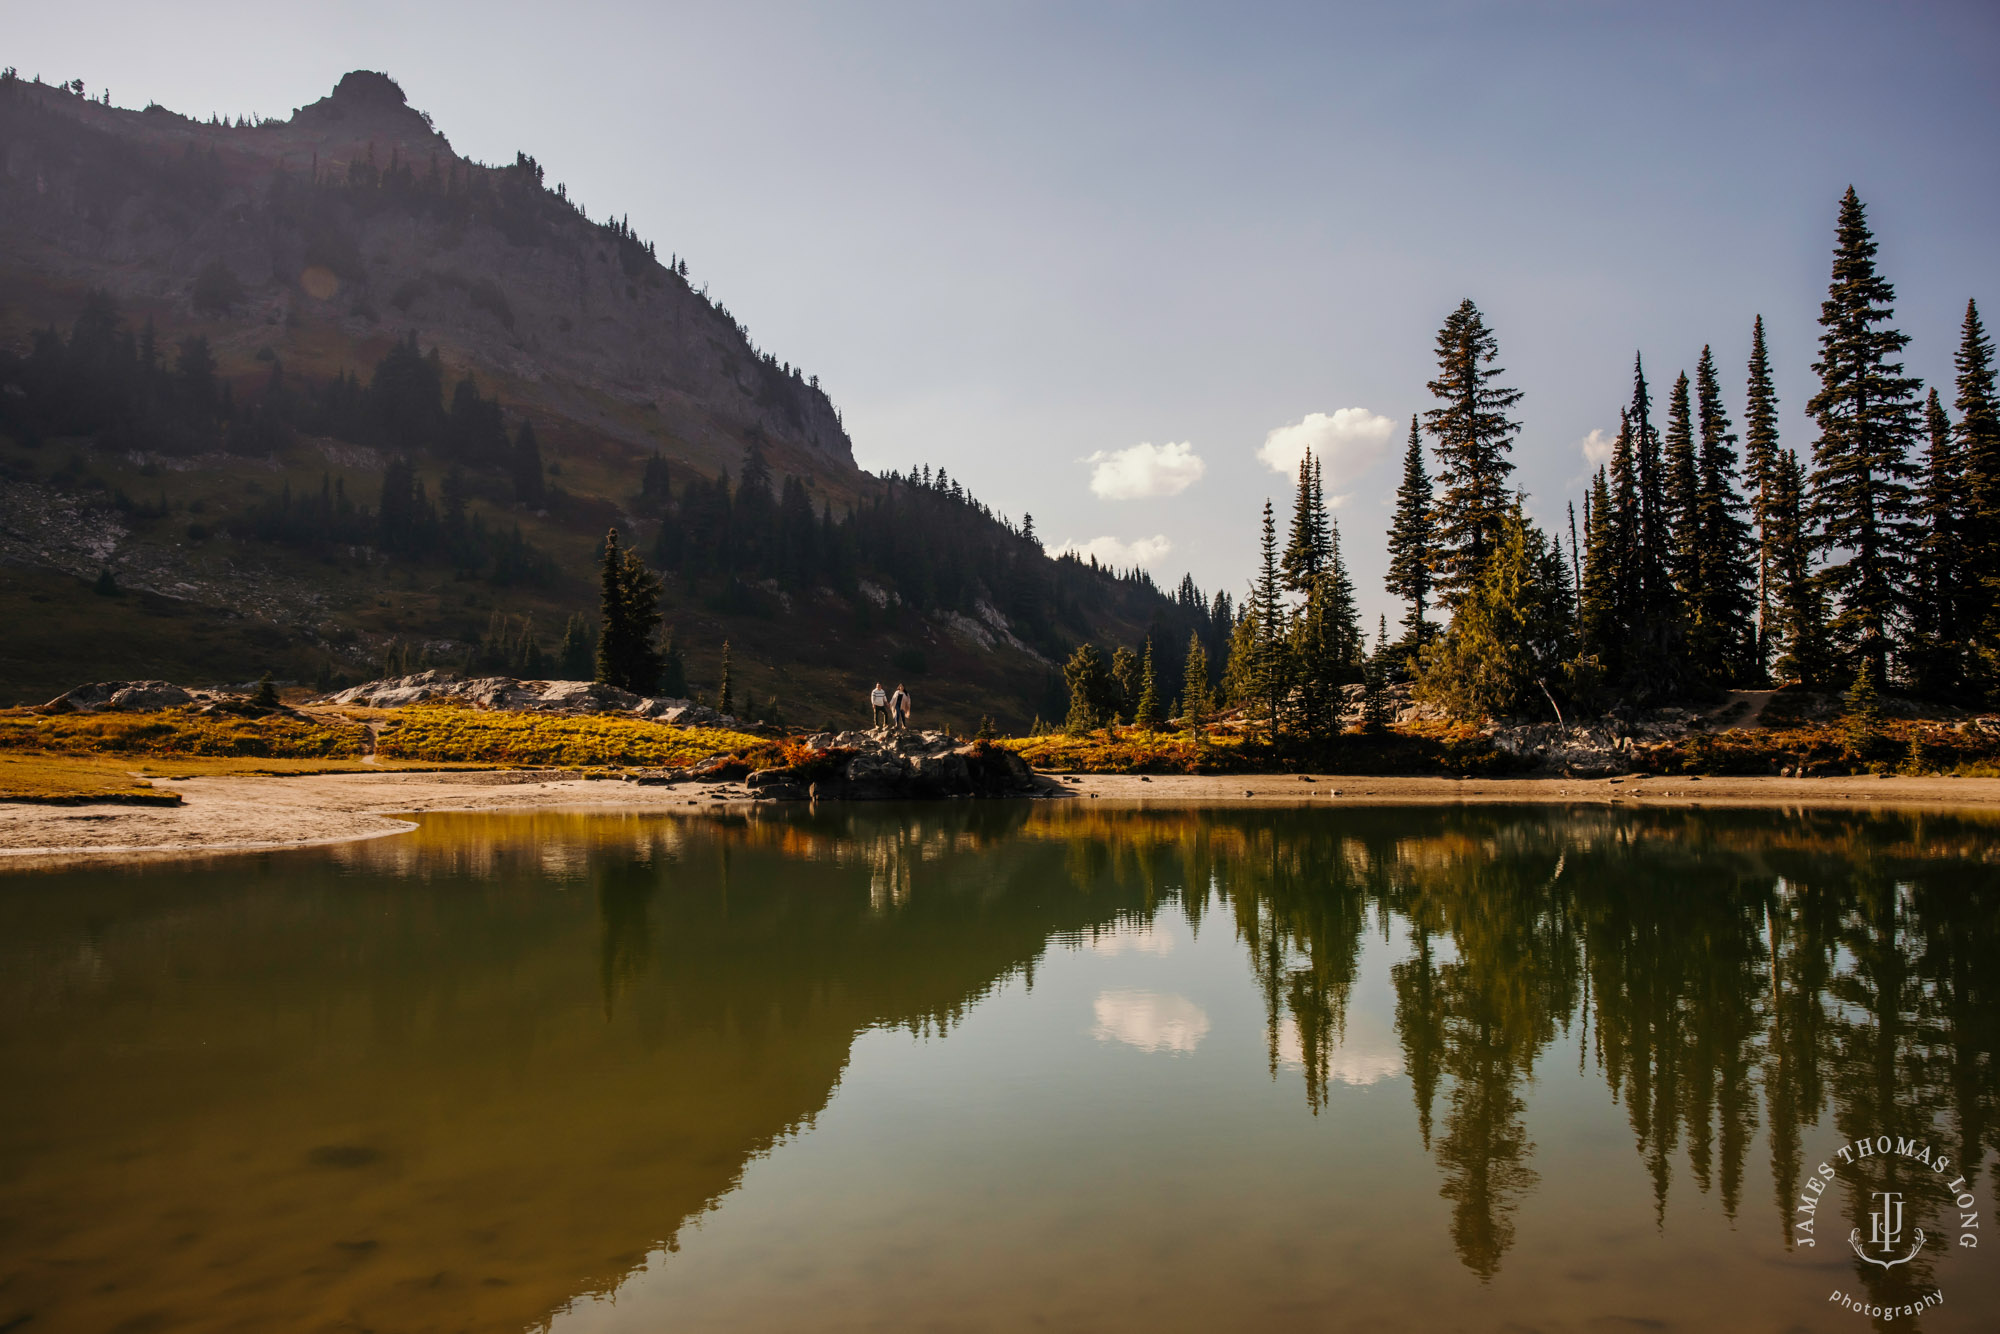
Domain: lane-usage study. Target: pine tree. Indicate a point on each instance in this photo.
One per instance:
(629, 601)
(1375, 682)
(1866, 413)
(1508, 643)
(1725, 647)
(1655, 645)
(1124, 671)
(1146, 713)
(1760, 466)
(1343, 612)
(1474, 436)
(1091, 691)
(725, 701)
(1269, 666)
(1936, 644)
(1798, 606)
(1597, 617)
(1412, 541)
(1680, 509)
(1978, 451)
(1195, 699)
(1305, 555)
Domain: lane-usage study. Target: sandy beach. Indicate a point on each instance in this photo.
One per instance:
(260, 813)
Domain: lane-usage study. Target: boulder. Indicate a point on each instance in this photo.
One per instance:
(122, 696)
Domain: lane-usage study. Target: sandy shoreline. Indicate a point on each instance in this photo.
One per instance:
(261, 813)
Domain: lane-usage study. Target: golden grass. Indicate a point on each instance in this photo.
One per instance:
(1415, 748)
(454, 732)
(75, 780)
(181, 732)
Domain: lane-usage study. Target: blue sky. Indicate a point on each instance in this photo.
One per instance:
(1011, 237)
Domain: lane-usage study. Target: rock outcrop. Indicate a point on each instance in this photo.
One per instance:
(573, 698)
(908, 766)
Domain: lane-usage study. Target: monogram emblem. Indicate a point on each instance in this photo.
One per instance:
(1885, 1233)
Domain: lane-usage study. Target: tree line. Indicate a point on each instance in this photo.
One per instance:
(1704, 559)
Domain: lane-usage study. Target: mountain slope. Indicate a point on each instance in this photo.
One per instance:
(335, 393)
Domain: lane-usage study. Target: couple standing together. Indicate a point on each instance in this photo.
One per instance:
(891, 710)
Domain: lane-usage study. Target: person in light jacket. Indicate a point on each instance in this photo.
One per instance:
(899, 708)
(878, 699)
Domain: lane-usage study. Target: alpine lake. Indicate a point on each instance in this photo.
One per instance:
(1016, 1065)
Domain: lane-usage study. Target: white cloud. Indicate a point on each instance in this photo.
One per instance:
(1146, 939)
(1145, 470)
(1146, 551)
(1347, 443)
(1350, 1063)
(1150, 1021)
(1597, 449)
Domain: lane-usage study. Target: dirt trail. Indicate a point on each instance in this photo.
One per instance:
(1758, 701)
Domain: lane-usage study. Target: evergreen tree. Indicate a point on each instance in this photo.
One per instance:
(1798, 606)
(1146, 712)
(1343, 611)
(1978, 453)
(1725, 646)
(725, 702)
(1760, 464)
(1092, 692)
(1474, 436)
(1195, 695)
(1680, 508)
(1316, 664)
(1125, 672)
(1598, 615)
(1866, 413)
(1239, 669)
(1306, 555)
(1652, 632)
(1506, 646)
(1375, 682)
(1268, 670)
(1936, 643)
(629, 601)
(1412, 541)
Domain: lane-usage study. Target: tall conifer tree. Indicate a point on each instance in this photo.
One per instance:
(1866, 411)
(1726, 639)
(1760, 465)
(1474, 436)
(1936, 645)
(1681, 509)
(1268, 668)
(1412, 541)
(1797, 605)
(1978, 449)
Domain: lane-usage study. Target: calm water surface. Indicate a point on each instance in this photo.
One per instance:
(994, 1067)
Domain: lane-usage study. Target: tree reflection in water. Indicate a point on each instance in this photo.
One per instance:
(1720, 966)
(601, 1020)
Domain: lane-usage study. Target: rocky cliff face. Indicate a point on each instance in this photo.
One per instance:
(354, 221)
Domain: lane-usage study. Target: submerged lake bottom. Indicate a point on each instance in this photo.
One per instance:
(995, 1066)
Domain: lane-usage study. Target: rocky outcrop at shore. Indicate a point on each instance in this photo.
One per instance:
(873, 766)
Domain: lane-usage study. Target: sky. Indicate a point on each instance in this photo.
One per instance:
(1117, 264)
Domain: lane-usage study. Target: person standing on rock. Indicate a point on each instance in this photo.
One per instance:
(878, 699)
(899, 708)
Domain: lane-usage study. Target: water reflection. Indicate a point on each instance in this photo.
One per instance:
(463, 1077)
